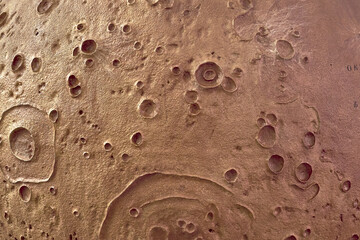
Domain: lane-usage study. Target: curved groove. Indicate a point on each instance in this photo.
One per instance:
(31, 179)
(167, 199)
(305, 189)
(247, 210)
(317, 115)
(145, 179)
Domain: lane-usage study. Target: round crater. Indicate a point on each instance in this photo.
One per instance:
(209, 75)
(284, 49)
(73, 81)
(229, 85)
(271, 119)
(89, 63)
(309, 140)
(88, 46)
(266, 136)
(260, 122)
(276, 163)
(292, 237)
(53, 115)
(158, 233)
(111, 27)
(303, 172)
(36, 64)
(126, 28)
(148, 108)
(25, 193)
(194, 109)
(231, 175)
(191, 96)
(108, 146)
(44, 6)
(345, 186)
(75, 91)
(17, 62)
(3, 17)
(134, 212)
(22, 144)
(137, 139)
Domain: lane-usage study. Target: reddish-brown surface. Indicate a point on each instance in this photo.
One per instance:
(180, 119)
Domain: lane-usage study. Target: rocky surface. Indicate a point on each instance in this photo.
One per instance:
(179, 119)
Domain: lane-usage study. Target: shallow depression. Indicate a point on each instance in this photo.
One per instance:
(22, 144)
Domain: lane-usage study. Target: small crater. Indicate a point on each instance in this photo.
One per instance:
(44, 6)
(36, 64)
(191, 96)
(134, 212)
(3, 18)
(229, 85)
(148, 108)
(355, 203)
(89, 63)
(107, 146)
(76, 52)
(137, 45)
(295, 33)
(231, 175)
(209, 75)
(276, 163)
(303, 172)
(271, 119)
(307, 232)
(190, 227)
(76, 213)
(152, 2)
(159, 50)
(181, 223)
(86, 155)
(88, 46)
(17, 62)
(73, 81)
(292, 237)
(237, 72)
(111, 27)
(194, 109)
(305, 59)
(345, 186)
(355, 237)
(53, 115)
(125, 156)
(282, 75)
(266, 136)
(260, 122)
(80, 27)
(126, 28)
(284, 49)
(139, 84)
(22, 144)
(309, 140)
(176, 70)
(25, 193)
(7, 216)
(131, 2)
(116, 63)
(209, 216)
(136, 139)
(75, 91)
(158, 233)
(277, 211)
(52, 190)
(167, 4)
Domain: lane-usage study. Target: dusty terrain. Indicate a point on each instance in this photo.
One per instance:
(180, 119)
